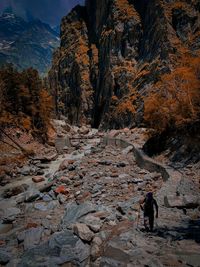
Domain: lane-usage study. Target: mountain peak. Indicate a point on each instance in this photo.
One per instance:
(26, 43)
(10, 12)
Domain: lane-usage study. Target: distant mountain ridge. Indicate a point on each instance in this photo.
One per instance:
(26, 43)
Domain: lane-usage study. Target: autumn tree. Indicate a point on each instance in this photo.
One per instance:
(24, 102)
(176, 98)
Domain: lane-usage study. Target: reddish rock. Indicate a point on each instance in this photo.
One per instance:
(126, 130)
(113, 133)
(31, 225)
(78, 183)
(114, 174)
(71, 161)
(64, 164)
(65, 180)
(38, 179)
(62, 190)
(2, 242)
(84, 197)
(83, 231)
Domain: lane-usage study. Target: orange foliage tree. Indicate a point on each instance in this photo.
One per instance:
(176, 98)
(24, 101)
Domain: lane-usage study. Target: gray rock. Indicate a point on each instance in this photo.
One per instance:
(26, 170)
(124, 186)
(191, 201)
(32, 194)
(61, 198)
(82, 231)
(74, 212)
(137, 181)
(155, 176)
(14, 191)
(47, 198)
(13, 263)
(127, 150)
(4, 257)
(97, 188)
(21, 236)
(77, 254)
(10, 214)
(6, 204)
(40, 172)
(46, 223)
(121, 164)
(71, 248)
(40, 206)
(116, 253)
(52, 194)
(105, 162)
(123, 207)
(192, 259)
(32, 237)
(40, 256)
(53, 204)
(187, 187)
(93, 132)
(94, 223)
(5, 228)
(71, 168)
(187, 201)
(83, 130)
(123, 176)
(48, 175)
(96, 248)
(147, 177)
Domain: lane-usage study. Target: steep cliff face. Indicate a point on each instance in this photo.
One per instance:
(70, 75)
(113, 51)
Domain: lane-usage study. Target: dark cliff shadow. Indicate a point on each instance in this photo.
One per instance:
(189, 231)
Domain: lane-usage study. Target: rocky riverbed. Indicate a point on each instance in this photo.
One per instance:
(81, 209)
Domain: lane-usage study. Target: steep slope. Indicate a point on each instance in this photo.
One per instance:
(26, 44)
(71, 71)
(113, 52)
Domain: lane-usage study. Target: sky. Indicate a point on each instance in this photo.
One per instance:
(49, 11)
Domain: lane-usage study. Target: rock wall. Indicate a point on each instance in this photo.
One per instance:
(143, 161)
(113, 51)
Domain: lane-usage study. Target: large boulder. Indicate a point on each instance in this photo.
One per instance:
(63, 247)
(32, 237)
(187, 201)
(10, 214)
(64, 164)
(31, 194)
(75, 212)
(83, 231)
(4, 257)
(94, 223)
(84, 130)
(69, 247)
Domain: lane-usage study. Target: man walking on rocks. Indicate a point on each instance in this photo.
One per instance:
(147, 206)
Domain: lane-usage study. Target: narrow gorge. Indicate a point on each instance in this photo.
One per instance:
(113, 53)
(116, 118)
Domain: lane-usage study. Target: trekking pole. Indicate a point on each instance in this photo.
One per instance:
(138, 218)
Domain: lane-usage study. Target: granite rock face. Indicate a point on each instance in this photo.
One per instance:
(113, 51)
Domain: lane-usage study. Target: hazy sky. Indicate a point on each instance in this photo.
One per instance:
(50, 11)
